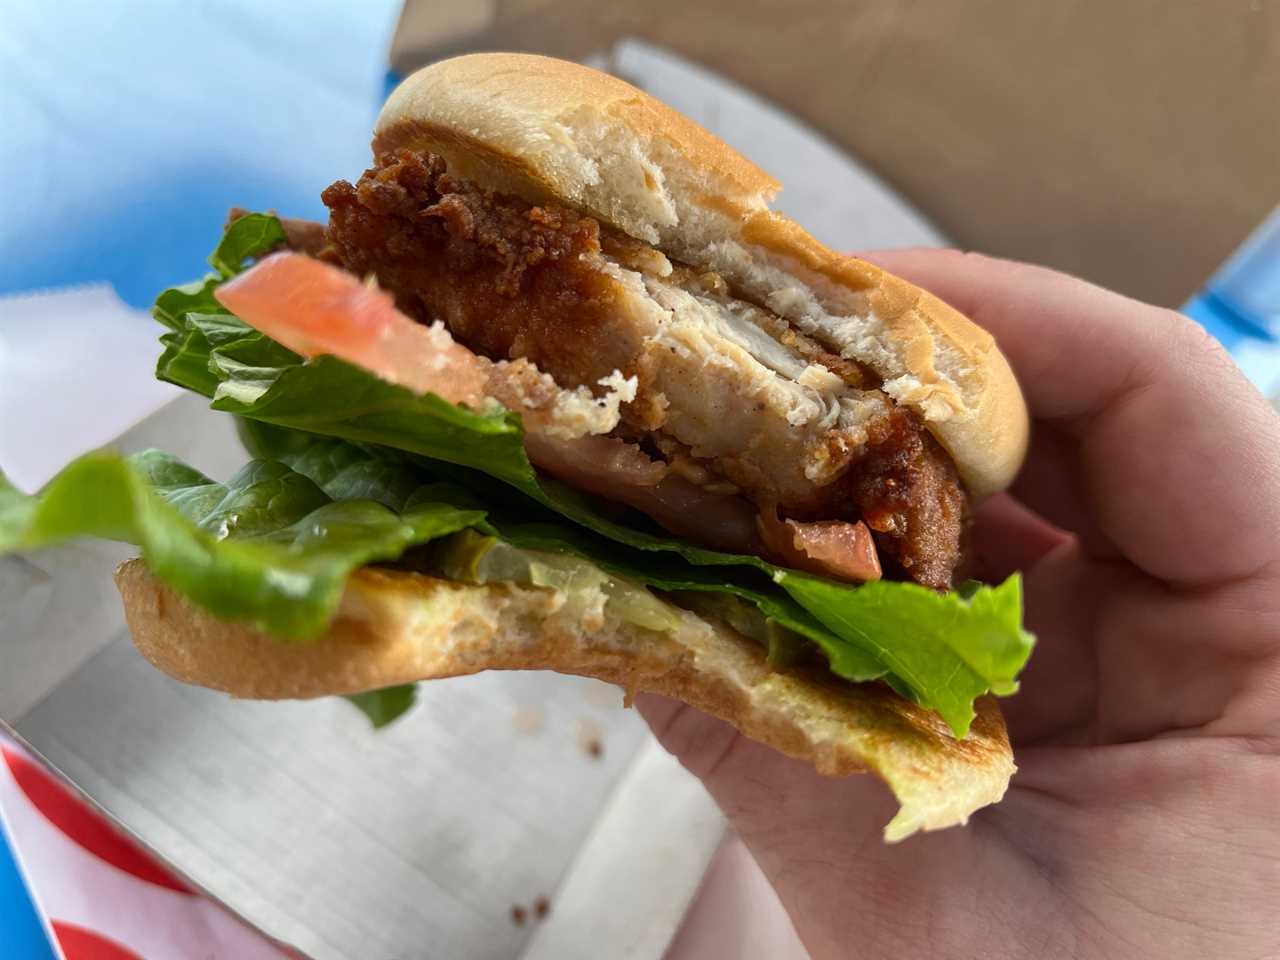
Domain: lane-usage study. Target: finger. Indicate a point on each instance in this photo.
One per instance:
(1007, 537)
(818, 839)
(701, 743)
(1057, 690)
(759, 788)
(754, 784)
(1179, 457)
(1050, 484)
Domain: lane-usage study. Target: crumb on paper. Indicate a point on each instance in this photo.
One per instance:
(541, 907)
(591, 738)
(526, 719)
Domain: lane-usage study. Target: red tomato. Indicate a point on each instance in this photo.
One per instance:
(313, 308)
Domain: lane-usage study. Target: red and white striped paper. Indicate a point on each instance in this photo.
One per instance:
(102, 896)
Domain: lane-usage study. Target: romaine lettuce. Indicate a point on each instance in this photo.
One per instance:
(351, 472)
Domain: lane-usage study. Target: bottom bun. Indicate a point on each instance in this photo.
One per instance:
(397, 627)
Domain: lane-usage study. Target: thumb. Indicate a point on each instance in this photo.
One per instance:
(781, 807)
(817, 839)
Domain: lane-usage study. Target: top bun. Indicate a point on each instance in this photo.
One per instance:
(550, 130)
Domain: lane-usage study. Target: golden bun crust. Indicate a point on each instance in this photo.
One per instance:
(546, 128)
(397, 627)
(549, 130)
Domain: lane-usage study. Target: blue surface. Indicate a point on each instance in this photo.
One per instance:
(22, 934)
(1240, 305)
(1206, 310)
(129, 129)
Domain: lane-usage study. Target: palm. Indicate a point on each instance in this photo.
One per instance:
(1159, 847)
(1143, 819)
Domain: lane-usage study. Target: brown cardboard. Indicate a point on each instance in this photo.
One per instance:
(1133, 142)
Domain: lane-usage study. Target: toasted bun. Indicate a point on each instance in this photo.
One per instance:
(396, 627)
(548, 130)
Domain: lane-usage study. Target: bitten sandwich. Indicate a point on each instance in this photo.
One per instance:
(553, 388)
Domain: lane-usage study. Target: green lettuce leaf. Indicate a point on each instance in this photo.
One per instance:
(383, 706)
(334, 465)
(942, 651)
(268, 547)
(247, 237)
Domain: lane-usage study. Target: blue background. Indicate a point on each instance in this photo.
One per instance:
(127, 130)
(22, 935)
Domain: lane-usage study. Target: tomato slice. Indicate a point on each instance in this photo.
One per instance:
(840, 549)
(314, 308)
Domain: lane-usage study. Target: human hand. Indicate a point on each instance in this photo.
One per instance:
(1145, 816)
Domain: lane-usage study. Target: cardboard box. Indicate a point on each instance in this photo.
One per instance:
(1133, 144)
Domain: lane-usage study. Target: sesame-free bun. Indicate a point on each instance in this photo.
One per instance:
(396, 627)
(552, 131)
